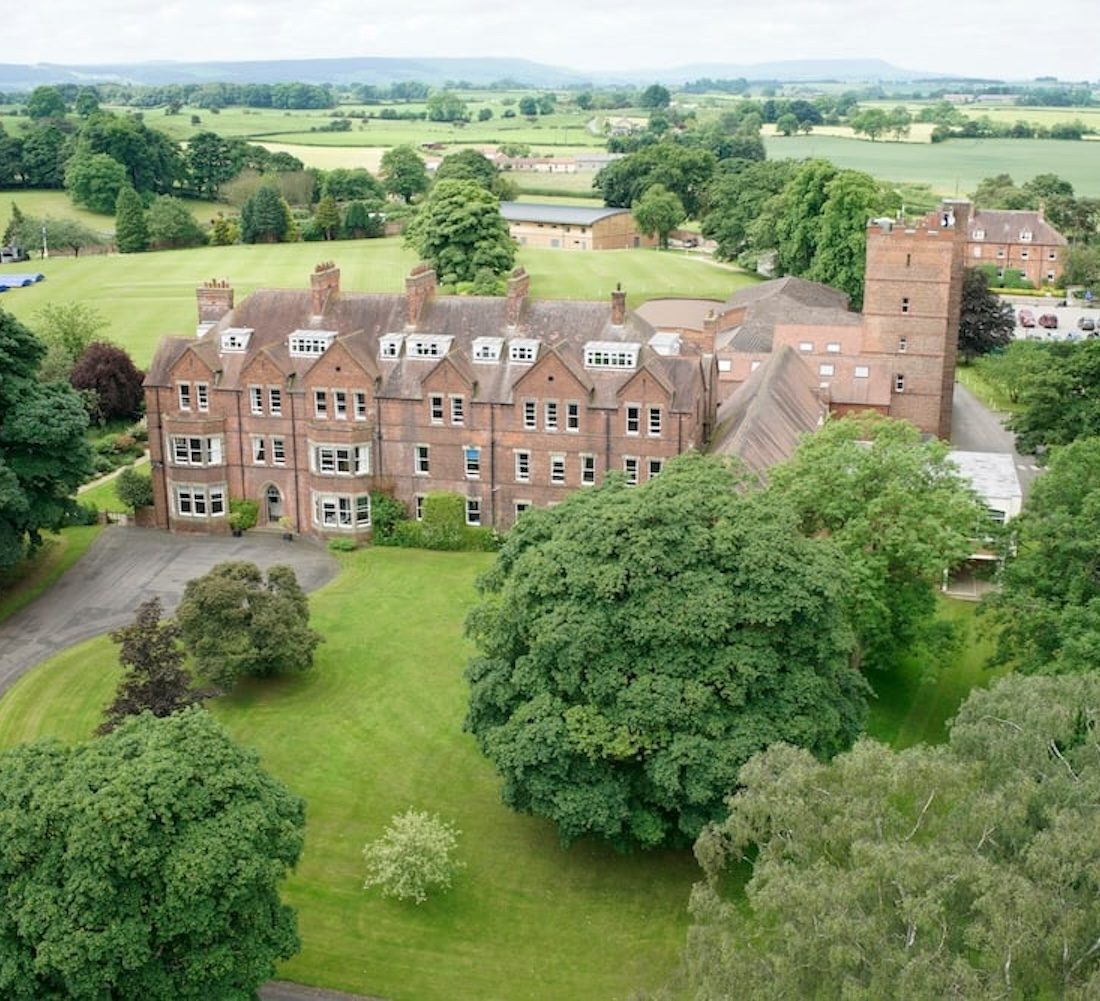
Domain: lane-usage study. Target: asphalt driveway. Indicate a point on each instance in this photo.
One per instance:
(126, 566)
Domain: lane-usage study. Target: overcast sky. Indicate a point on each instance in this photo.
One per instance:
(1010, 39)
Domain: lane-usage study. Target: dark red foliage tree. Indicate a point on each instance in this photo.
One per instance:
(108, 370)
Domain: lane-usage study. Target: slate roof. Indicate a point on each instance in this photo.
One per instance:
(782, 300)
(557, 215)
(1005, 226)
(763, 421)
(360, 319)
(685, 314)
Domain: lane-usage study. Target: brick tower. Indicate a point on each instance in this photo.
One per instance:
(911, 302)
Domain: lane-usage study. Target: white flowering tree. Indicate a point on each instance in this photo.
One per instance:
(414, 856)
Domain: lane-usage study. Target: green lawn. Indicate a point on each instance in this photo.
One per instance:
(30, 578)
(913, 704)
(103, 497)
(58, 205)
(147, 296)
(954, 167)
(990, 394)
(374, 729)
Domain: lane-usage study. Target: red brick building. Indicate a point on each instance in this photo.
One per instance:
(1019, 240)
(306, 401)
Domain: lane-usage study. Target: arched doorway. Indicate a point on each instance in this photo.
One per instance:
(273, 504)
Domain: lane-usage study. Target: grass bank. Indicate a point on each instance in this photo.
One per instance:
(27, 580)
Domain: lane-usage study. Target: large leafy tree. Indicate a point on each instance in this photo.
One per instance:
(44, 456)
(798, 211)
(403, 172)
(1060, 402)
(471, 165)
(899, 511)
(44, 157)
(1048, 608)
(45, 102)
(965, 871)
(658, 211)
(235, 623)
(110, 374)
(852, 198)
(684, 170)
(211, 161)
(95, 181)
(152, 162)
(155, 680)
(171, 224)
(460, 230)
(736, 197)
(636, 645)
(986, 321)
(143, 866)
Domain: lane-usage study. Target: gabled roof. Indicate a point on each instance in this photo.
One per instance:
(559, 215)
(782, 300)
(1005, 226)
(764, 420)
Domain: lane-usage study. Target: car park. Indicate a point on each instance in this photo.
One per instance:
(1049, 320)
(1086, 323)
(1027, 318)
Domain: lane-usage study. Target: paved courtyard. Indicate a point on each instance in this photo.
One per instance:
(127, 565)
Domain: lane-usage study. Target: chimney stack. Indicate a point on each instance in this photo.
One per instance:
(324, 284)
(215, 299)
(710, 331)
(419, 288)
(618, 305)
(519, 283)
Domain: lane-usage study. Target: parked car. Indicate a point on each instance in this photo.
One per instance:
(1027, 318)
(1086, 323)
(1048, 320)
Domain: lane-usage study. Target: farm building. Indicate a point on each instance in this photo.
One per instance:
(572, 227)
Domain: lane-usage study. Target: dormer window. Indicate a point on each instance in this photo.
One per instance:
(611, 354)
(978, 234)
(310, 343)
(236, 339)
(1025, 236)
(487, 349)
(523, 350)
(427, 347)
(390, 346)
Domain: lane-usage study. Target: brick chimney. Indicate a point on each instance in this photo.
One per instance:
(419, 288)
(710, 331)
(324, 285)
(519, 283)
(215, 299)
(618, 305)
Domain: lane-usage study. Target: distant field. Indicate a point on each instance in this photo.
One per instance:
(58, 205)
(919, 132)
(1003, 113)
(146, 296)
(954, 167)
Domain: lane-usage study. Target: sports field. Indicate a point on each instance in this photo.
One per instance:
(146, 296)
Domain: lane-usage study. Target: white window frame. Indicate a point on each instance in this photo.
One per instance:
(259, 450)
(331, 459)
(422, 460)
(255, 401)
(588, 469)
(320, 404)
(530, 415)
(202, 397)
(654, 422)
(899, 382)
(471, 461)
(523, 465)
(572, 416)
(473, 510)
(340, 404)
(199, 500)
(435, 408)
(631, 467)
(458, 410)
(275, 401)
(278, 451)
(183, 395)
(654, 467)
(903, 344)
(862, 372)
(905, 304)
(557, 469)
(341, 512)
(826, 369)
(806, 347)
(418, 506)
(360, 399)
(196, 450)
(832, 347)
(550, 415)
(632, 415)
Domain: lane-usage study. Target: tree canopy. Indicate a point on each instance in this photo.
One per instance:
(1048, 607)
(265, 216)
(636, 645)
(403, 172)
(234, 623)
(986, 322)
(460, 230)
(109, 372)
(898, 510)
(44, 456)
(659, 211)
(143, 866)
(964, 871)
(684, 170)
(1060, 402)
